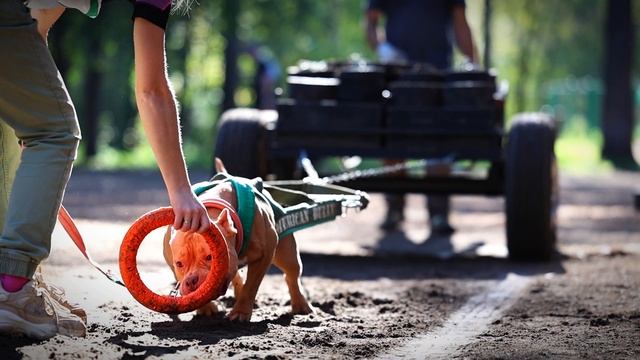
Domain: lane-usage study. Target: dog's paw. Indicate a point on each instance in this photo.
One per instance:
(239, 315)
(210, 309)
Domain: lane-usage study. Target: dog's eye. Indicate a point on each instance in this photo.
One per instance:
(178, 263)
(208, 257)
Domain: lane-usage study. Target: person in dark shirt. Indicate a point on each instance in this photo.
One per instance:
(419, 31)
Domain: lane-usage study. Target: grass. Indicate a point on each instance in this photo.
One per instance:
(578, 149)
(108, 158)
(141, 157)
(579, 152)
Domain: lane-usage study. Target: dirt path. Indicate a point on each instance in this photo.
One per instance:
(375, 294)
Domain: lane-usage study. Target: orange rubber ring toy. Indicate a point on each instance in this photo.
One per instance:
(165, 303)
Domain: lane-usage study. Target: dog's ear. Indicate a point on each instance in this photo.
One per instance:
(220, 166)
(166, 248)
(171, 234)
(225, 223)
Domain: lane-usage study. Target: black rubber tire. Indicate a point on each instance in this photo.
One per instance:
(242, 142)
(531, 188)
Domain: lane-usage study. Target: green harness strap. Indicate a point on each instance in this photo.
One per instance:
(246, 209)
(294, 210)
(244, 197)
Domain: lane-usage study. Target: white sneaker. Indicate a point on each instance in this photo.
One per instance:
(58, 295)
(33, 312)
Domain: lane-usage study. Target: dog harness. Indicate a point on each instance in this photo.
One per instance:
(296, 205)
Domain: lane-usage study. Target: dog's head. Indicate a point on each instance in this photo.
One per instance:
(191, 256)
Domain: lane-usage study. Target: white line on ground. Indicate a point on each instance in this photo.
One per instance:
(465, 324)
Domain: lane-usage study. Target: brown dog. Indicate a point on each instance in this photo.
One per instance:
(190, 258)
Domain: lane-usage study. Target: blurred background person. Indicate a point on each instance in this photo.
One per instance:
(421, 31)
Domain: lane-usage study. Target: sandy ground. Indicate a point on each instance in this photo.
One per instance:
(376, 295)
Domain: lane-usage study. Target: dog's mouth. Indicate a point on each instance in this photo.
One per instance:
(184, 290)
(191, 282)
(181, 290)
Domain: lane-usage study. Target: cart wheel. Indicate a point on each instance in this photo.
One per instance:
(531, 187)
(242, 141)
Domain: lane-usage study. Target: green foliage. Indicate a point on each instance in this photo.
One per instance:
(578, 149)
(540, 42)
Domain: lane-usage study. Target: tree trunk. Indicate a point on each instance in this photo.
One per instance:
(180, 65)
(92, 85)
(486, 25)
(617, 115)
(230, 11)
(520, 87)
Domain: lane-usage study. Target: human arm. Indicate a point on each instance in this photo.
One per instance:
(372, 20)
(462, 32)
(46, 18)
(159, 116)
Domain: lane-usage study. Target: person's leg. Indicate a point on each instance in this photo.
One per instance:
(395, 211)
(395, 203)
(9, 160)
(438, 207)
(35, 104)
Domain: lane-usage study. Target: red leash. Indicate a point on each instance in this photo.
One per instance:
(70, 226)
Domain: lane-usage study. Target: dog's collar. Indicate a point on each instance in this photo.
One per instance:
(222, 204)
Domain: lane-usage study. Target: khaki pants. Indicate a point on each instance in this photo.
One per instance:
(34, 107)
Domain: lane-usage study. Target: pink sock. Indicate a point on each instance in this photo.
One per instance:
(12, 283)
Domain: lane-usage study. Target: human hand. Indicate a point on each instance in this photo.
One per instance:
(190, 214)
(469, 65)
(388, 53)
